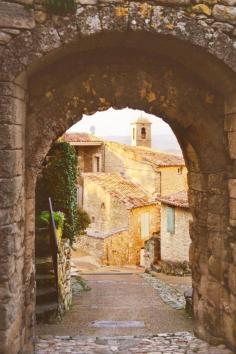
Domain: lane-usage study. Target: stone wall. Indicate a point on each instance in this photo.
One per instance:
(106, 211)
(192, 90)
(161, 180)
(175, 247)
(64, 277)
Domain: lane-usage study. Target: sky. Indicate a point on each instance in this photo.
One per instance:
(117, 123)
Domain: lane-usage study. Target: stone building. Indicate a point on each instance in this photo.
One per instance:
(141, 132)
(174, 235)
(89, 149)
(54, 69)
(158, 173)
(122, 216)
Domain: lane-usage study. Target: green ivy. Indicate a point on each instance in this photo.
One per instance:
(58, 181)
(60, 7)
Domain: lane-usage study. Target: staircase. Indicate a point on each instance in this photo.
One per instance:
(46, 287)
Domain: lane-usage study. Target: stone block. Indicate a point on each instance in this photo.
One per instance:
(224, 13)
(229, 326)
(88, 20)
(232, 188)
(232, 144)
(10, 191)
(10, 137)
(230, 104)
(13, 15)
(12, 90)
(232, 278)
(11, 163)
(230, 122)
(232, 210)
(12, 110)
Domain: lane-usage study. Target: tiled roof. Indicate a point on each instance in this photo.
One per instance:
(121, 188)
(148, 155)
(81, 138)
(179, 199)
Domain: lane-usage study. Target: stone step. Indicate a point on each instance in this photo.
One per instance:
(46, 295)
(44, 265)
(46, 312)
(45, 280)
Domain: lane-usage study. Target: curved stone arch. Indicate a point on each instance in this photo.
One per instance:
(30, 47)
(33, 52)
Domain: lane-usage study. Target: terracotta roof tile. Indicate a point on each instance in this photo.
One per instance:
(179, 199)
(81, 137)
(148, 155)
(121, 188)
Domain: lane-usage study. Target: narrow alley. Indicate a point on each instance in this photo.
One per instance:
(120, 313)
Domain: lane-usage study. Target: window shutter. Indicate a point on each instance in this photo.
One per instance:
(170, 220)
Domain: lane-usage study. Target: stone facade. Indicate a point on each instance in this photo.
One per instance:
(117, 209)
(193, 90)
(175, 246)
(166, 173)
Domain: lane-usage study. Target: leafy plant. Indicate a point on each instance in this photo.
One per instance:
(60, 7)
(83, 221)
(44, 219)
(58, 181)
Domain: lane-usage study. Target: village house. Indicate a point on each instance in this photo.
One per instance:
(158, 173)
(122, 215)
(174, 233)
(89, 150)
(118, 186)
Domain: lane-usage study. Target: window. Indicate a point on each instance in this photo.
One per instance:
(180, 170)
(144, 218)
(133, 133)
(170, 222)
(97, 164)
(143, 133)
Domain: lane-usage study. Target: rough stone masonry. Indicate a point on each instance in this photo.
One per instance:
(175, 59)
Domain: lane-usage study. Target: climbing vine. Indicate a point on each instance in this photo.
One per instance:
(58, 181)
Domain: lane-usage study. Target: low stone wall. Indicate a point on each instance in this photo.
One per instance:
(64, 277)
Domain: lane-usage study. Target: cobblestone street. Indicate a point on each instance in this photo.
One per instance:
(122, 314)
(159, 344)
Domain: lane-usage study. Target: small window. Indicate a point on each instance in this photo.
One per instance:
(133, 133)
(92, 219)
(97, 159)
(143, 133)
(180, 170)
(170, 223)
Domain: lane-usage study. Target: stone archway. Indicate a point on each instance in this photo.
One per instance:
(121, 56)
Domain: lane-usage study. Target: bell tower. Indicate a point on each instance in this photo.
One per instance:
(141, 132)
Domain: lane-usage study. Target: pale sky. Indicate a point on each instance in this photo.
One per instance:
(117, 122)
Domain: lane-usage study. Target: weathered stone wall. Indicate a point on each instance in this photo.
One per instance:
(175, 247)
(161, 180)
(172, 180)
(106, 212)
(64, 277)
(86, 158)
(187, 89)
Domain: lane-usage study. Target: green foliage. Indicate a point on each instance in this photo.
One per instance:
(83, 221)
(58, 181)
(60, 7)
(44, 218)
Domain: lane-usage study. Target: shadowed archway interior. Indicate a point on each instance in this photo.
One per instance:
(103, 74)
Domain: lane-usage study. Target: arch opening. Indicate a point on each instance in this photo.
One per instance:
(100, 76)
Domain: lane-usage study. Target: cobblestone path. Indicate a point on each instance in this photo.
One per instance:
(176, 343)
(121, 314)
